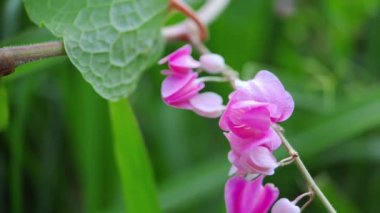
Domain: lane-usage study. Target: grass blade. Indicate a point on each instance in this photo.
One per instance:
(132, 160)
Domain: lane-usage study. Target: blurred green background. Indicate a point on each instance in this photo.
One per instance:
(56, 152)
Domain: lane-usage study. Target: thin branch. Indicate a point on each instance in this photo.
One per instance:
(11, 57)
(305, 173)
(189, 12)
(206, 14)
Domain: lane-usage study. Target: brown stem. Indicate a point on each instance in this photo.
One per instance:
(11, 57)
(189, 12)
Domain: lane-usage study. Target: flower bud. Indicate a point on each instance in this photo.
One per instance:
(283, 205)
(212, 63)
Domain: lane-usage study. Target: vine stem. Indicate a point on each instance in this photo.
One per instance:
(305, 173)
(11, 57)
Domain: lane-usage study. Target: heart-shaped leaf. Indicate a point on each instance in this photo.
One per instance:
(111, 42)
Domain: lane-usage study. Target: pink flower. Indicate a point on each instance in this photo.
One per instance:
(267, 88)
(182, 91)
(255, 160)
(283, 205)
(180, 61)
(244, 196)
(177, 90)
(270, 140)
(246, 119)
(207, 104)
(212, 63)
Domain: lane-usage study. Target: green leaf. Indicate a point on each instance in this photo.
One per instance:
(132, 159)
(4, 110)
(110, 42)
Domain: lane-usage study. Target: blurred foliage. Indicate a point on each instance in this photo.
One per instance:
(56, 154)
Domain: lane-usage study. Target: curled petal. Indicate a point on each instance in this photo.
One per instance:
(257, 160)
(185, 50)
(180, 61)
(270, 140)
(177, 90)
(246, 119)
(266, 87)
(207, 104)
(244, 196)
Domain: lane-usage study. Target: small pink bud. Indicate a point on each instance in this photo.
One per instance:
(212, 63)
(207, 104)
(283, 205)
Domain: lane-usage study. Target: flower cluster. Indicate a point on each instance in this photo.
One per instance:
(253, 109)
(181, 87)
(248, 120)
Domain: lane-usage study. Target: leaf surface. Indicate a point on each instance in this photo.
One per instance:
(110, 42)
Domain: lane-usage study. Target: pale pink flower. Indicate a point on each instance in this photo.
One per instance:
(267, 88)
(180, 61)
(212, 63)
(283, 205)
(255, 160)
(207, 104)
(244, 196)
(177, 90)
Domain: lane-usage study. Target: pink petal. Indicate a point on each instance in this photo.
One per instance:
(268, 196)
(183, 64)
(266, 87)
(174, 83)
(248, 118)
(261, 160)
(185, 50)
(244, 196)
(208, 104)
(283, 205)
(176, 90)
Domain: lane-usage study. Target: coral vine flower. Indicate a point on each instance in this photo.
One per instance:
(255, 160)
(177, 90)
(270, 140)
(245, 118)
(181, 61)
(244, 196)
(267, 88)
(283, 205)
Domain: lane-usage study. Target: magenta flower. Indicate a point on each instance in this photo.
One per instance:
(246, 119)
(244, 196)
(177, 90)
(283, 205)
(267, 88)
(270, 140)
(180, 61)
(253, 161)
(182, 91)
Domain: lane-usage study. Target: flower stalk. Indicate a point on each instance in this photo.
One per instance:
(305, 173)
